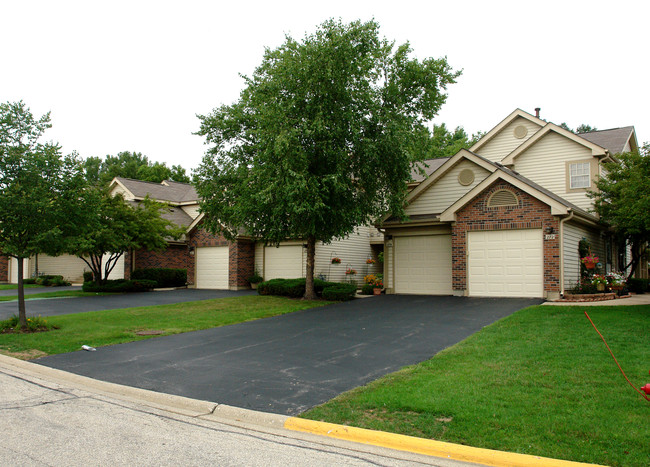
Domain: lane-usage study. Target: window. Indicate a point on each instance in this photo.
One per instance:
(579, 175)
(502, 198)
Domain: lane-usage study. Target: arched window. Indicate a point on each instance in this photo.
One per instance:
(502, 198)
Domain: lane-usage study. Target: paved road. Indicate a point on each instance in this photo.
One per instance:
(62, 423)
(64, 306)
(293, 362)
(33, 290)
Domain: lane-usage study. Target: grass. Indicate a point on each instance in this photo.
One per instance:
(15, 286)
(56, 294)
(99, 328)
(538, 382)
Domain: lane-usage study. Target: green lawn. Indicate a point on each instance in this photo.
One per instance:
(55, 294)
(99, 328)
(538, 382)
(15, 286)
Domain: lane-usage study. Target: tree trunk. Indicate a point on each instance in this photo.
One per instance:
(310, 293)
(22, 315)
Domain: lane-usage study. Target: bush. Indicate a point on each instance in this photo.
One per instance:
(638, 285)
(583, 287)
(31, 280)
(120, 285)
(164, 277)
(88, 276)
(340, 292)
(294, 288)
(367, 289)
(51, 281)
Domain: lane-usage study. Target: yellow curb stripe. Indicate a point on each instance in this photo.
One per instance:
(423, 446)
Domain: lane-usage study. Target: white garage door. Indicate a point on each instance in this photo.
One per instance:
(13, 270)
(68, 266)
(283, 262)
(212, 267)
(505, 263)
(423, 264)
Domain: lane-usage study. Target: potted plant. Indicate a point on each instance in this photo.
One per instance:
(255, 279)
(590, 261)
(336, 260)
(350, 272)
(370, 261)
(599, 281)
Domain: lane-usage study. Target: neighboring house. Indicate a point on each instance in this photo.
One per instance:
(504, 218)
(212, 262)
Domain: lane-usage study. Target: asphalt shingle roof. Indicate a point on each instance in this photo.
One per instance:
(173, 192)
(614, 140)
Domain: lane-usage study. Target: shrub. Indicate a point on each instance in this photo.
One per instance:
(88, 276)
(294, 288)
(638, 285)
(31, 280)
(51, 280)
(367, 289)
(339, 292)
(583, 287)
(120, 285)
(256, 278)
(164, 277)
(34, 324)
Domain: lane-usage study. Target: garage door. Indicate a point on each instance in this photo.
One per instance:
(423, 264)
(283, 262)
(68, 266)
(505, 263)
(212, 267)
(13, 270)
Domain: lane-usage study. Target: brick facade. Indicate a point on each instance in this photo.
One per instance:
(4, 268)
(530, 213)
(175, 256)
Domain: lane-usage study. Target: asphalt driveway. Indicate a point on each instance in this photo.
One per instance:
(290, 363)
(65, 306)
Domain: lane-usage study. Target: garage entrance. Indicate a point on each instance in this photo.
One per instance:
(423, 264)
(505, 263)
(212, 267)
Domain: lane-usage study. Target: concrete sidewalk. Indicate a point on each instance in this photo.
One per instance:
(643, 299)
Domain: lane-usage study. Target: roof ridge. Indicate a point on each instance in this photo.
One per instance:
(607, 129)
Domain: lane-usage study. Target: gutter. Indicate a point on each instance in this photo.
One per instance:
(571, 215)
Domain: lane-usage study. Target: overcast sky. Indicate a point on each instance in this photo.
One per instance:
(132, 75)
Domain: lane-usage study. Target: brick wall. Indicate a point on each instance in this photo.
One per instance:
(175, 256)
(4, 268)
(530, 213)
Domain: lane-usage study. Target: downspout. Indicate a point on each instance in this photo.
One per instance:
(571, 214)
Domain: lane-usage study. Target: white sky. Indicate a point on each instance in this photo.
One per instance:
(132, 75)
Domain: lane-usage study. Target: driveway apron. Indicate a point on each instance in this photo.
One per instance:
(288, 364)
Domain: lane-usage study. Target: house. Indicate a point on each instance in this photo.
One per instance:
(504, 217)
(212, 262)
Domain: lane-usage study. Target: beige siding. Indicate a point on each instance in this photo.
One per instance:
(545, 163)
(118, 190)
(572, 235)
(191, 210)
(388, 265)
(70, 267)
(353, 251)
(505, 141)
(446, 191)
(259, 259)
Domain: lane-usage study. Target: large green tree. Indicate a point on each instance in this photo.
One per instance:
(622, 199)
(443, 142)
(41, 191)
(133, 165)
(321, 139)
(113, 226)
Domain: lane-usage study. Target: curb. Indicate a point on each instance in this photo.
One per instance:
(428, 447)
(211, 411)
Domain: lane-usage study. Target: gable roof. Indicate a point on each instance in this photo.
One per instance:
(596, 150)
(169, 191)
(428, 166)
(614, 139)
(518, 113)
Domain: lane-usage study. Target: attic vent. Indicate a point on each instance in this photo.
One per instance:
(520, 131)
(502, 198)
(466, 177)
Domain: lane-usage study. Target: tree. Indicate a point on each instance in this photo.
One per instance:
(622, 200)
(582, 128)
(41, 192)
(321, 139)
(445, 143)
(133, 165)
(113, 226)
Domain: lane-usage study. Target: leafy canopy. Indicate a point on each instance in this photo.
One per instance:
(623, 199)
(41, 191)
(322, 137)
(131, 165)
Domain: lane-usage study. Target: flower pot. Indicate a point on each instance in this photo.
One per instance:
(376, 291)
(254, 286)
(600, 287)
(590, 265)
